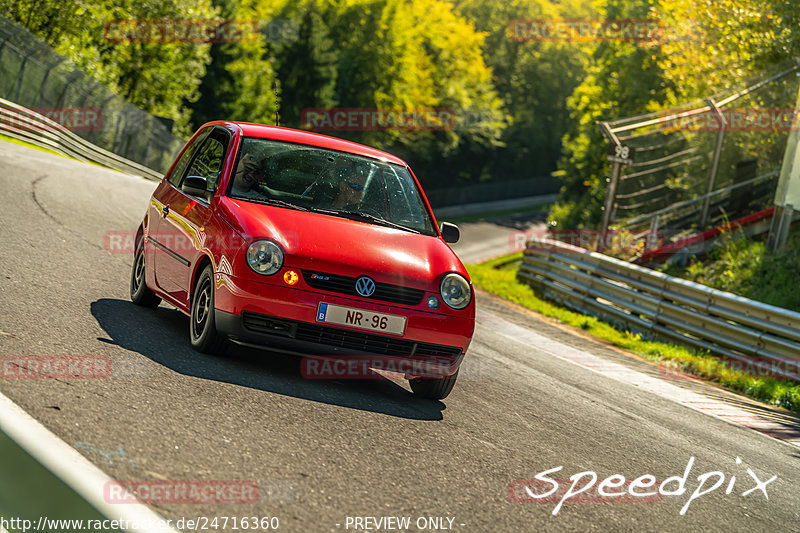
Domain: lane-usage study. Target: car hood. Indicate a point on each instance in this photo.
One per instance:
(337, 245)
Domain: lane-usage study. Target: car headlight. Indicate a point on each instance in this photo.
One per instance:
(265, 257)
(455, 291)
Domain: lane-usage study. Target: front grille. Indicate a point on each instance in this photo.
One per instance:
(343, 338)
(347, 285)
(265, 324)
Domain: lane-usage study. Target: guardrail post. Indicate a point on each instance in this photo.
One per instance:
(613, 181)
(712, 174)
(779, 228)
(652, 241)
(611, 196)
(787, 192)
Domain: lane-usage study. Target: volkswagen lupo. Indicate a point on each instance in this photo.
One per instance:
(300, 242)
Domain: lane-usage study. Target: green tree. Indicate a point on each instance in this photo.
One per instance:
(624, 79)
(157, 76)
(306, 64)
(49, 20)
(395, 54)
(533, 79)
(713, 45)
(238, 84)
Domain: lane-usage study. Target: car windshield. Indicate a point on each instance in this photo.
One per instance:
(329, 182)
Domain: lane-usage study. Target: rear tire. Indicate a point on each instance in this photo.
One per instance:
(433, 388)
(202, 327)
(140, 293)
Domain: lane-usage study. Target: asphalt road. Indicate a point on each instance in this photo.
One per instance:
(324, 451)
(489, 238)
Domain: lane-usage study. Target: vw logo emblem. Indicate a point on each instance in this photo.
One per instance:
(365, 286)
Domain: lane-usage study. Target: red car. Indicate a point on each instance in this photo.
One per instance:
(299, 242)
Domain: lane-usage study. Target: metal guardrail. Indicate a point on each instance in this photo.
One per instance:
(648, 301)
(666, 212)
(29, 126)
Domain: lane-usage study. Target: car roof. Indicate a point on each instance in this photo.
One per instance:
(279, 133)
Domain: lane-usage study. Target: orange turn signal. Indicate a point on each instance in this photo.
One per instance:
(291, 277)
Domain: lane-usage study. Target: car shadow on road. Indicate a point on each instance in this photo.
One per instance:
(162, 336)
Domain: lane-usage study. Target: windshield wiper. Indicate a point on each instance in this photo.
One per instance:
(364, 217)
(278, 203)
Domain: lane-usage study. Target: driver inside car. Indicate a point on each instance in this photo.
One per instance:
(247, 176)
(350, 188)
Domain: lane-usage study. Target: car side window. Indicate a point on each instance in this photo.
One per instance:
(209, 160)
(180, 167)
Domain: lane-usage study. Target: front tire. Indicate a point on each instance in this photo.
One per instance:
(433, 388)
(202, 326)
(140, 292)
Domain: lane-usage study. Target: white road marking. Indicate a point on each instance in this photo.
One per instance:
(715, 407)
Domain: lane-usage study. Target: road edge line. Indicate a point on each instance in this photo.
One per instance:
(65, 462)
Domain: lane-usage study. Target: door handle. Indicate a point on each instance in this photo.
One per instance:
(165, 211)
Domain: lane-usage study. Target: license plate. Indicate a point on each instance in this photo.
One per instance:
(361, 318)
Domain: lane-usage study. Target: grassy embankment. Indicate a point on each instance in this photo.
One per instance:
(748, 268)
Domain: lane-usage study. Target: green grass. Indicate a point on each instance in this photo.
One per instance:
(498, 276)
(491, 214)
(14, 140)
(746, 267)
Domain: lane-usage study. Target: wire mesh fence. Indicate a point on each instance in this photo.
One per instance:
(689, 168)
(33, 75)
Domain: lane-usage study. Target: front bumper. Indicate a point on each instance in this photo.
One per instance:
(284, 318)
(329, 342)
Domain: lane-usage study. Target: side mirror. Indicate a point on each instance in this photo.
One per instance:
(450, 232)
(195, 185)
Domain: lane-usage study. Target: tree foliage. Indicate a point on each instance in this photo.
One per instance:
(707, 48)
(713, 45)
(624, 78)
(239, 81)
(158, 76)
(533, 80)
(523, 109)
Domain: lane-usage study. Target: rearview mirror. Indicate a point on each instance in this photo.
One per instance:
(450, 232)
(195, 185)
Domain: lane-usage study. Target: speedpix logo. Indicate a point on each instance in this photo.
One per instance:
(646, 488)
